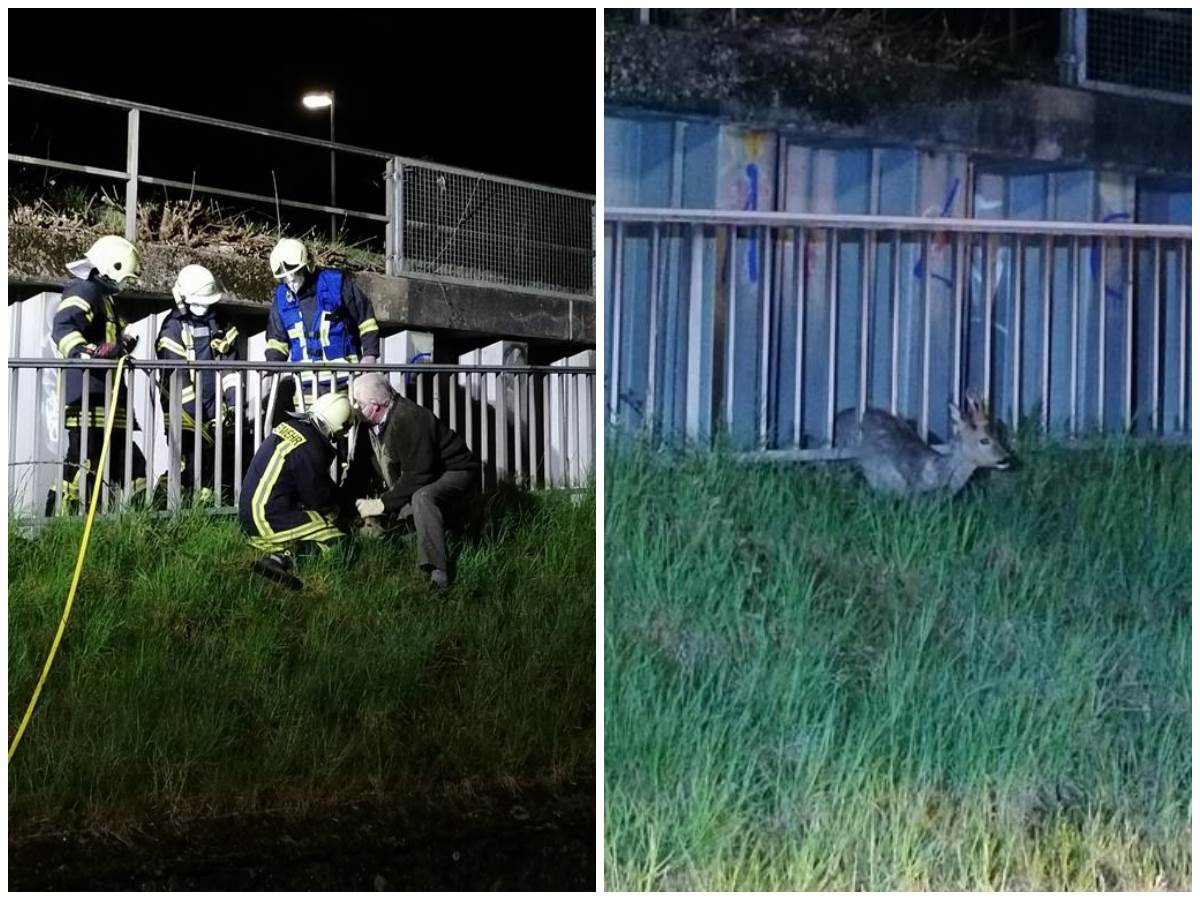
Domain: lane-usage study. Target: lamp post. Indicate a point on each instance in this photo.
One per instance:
(320, 101)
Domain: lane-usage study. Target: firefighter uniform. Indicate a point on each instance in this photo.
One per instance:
(187, 336)
(329, 319)
(287, 494)
(87, 325)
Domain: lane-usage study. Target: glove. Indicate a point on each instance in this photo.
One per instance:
(369, 508)
(369, 360)
(128, 343)
(107, 350)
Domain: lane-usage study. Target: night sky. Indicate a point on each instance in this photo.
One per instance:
(508, 93)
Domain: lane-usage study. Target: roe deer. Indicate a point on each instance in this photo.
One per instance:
(895, 460)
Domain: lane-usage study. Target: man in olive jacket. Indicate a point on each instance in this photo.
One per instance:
(427, 470)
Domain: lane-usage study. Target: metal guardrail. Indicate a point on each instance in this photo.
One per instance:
(768, 325)
(1143, 53)
(530, 424)
(441, 223)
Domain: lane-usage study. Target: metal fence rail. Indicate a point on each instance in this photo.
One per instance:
(1139, 52)
(766, 326)
(440, 222)
(533, 425)
(465, 226)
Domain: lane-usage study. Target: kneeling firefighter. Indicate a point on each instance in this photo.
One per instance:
(289, 503)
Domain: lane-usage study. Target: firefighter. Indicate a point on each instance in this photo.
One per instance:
(289, 504)
(317, 314)
(87, 325)
(192, 332)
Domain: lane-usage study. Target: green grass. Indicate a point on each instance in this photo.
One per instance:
(186, 682)
(811, 687)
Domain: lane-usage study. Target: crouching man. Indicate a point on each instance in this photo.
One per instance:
(427, 471)
(289, 502)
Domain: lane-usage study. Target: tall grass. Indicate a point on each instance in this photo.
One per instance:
(808, 686)
(185, 681)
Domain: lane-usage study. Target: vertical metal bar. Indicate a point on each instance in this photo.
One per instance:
(437, 395)
(63, 441)
(589, 419)
(1156, 336)
(1047, 264)
(764, 386)
(150, 428)
(218, 435)
(533, 444)
(801, 257)
(127, 403)
(420, 388)
(485, 419)
(239, 399)
(258, 407)
(963, 247)
(518, 431)
(1129, 337)
(85, 422)
(131, 175)
(988, 313)
(501, 443)
(1074, 411)
(1018, 269)
(547, 421)
(652, 362)
(614, 329)
(1184, 285)
(831, 412)
(926, 284)
(864, 326)
(562, 431)
(197, 435)
(695, 334)
(175, 444)
(895, 306)
(105, 474)
(1101, 352)
(731, 328)
(470, 413)
(389, 229)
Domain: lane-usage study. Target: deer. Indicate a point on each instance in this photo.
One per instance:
(894, 459)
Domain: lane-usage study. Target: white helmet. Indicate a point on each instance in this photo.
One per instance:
(289, 255)
(197, 289)
(117, 261)
(331, 414)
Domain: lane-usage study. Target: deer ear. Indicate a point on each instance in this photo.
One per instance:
(956, 417)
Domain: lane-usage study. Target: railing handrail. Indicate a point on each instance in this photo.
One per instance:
(239, 365)
(674, 216)
(267, 132)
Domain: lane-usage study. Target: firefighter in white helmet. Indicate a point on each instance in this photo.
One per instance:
(289, 504)
(87, 325)
(317, 315)
(195, 331)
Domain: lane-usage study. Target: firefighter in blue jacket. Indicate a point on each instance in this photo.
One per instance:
(289, 504)
(317, 315)
(194, 332)
(88, 326)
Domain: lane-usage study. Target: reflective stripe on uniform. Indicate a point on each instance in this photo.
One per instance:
(367, 326)
(70, 341)
(79, 303)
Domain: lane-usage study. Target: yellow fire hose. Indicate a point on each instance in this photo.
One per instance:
(83, 546)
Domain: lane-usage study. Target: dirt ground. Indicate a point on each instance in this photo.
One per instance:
(542, 842)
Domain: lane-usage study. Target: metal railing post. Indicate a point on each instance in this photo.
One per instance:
(131, 171)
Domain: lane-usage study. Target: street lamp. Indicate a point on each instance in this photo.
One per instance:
(320, 101)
